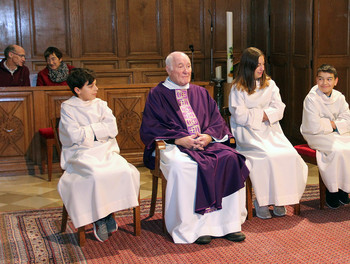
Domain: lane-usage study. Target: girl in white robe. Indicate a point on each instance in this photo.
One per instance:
(277, 172)
(97, 181)
(326, 128)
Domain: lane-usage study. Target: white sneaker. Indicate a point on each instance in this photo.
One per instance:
(262, 212)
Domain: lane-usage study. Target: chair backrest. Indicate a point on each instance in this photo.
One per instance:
(54, 124)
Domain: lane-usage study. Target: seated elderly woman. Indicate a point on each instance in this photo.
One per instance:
(56, 71)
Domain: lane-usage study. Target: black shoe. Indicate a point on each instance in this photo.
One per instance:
(235, 237)
(332, 199)
(343, 197)
(203, 240)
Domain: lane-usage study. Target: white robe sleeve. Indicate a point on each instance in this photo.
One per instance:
(70, 131)
(276, 107)
(312, 122)
(242, 115)
(107, 127)
(342, 121)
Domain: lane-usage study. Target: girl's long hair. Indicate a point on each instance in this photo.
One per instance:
(245, 79)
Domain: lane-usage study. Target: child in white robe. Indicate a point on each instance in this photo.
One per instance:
(277, 172)
(326, 128)
(97, 181)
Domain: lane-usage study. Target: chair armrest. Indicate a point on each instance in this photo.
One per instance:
(160, 144)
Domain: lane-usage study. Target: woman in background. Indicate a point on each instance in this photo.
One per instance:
(56, 71)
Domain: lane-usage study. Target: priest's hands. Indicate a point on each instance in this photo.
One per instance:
(195, 142)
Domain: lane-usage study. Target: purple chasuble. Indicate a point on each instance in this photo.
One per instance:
(221, 169)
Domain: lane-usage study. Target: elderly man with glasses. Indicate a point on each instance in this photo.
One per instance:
(12, 69)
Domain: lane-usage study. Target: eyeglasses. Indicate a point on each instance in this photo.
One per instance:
(20, 55)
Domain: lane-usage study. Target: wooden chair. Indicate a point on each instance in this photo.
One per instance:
(81, 230)
(249, 187)
(157, 174)
(309, 155)
(47, 142)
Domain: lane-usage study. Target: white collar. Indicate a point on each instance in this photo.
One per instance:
(173, 86)
(11, 71)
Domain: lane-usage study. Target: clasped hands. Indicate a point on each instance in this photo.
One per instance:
(195, 142)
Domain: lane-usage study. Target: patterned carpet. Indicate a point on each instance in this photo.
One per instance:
(313, 237)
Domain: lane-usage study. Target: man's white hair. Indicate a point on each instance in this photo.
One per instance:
(170, 58)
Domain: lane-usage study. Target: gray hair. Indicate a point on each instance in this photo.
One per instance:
(8, 49)
(169, 61)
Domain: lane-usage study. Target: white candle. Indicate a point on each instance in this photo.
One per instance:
(218, 72)
(229, 31)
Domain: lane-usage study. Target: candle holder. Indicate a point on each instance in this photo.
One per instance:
(219, 92)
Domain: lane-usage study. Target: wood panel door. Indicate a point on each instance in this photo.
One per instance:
(331, 39)
(290, 58)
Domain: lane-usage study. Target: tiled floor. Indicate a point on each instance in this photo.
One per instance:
(35, 192)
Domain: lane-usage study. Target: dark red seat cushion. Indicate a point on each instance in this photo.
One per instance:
(46, 132)
(304, 149)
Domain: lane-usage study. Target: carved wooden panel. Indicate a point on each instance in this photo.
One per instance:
(16, 124)
(98, 27)
(54, 100)
(127, 106)
(44, 32)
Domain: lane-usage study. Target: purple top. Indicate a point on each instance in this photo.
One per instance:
(19, 78)
(221, 169)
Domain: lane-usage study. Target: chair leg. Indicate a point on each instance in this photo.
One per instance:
(322, 192)
(64, 219)
(137, 219)
(81, 236)
(43, 153)
(49, 150)
(164, 183)
(297, 209)
(154, 195)
(249, 202)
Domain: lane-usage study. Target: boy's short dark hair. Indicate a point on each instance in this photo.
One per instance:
(327, 68)
(78, 77)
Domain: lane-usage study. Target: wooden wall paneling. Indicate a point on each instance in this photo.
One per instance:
(8, 25)
(98, 36)
(260, 25)
(75, 33)
(143, 19)
(186, 25)
(301, 55)
(154, 76)
(46, 33)
(16, 133)
(98, 65)
(331, 39)
(127, 106)
(239, 9)
(114, 77)
(280, 37)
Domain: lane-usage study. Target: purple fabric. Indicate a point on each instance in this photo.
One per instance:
(19, 78)
(221, 169)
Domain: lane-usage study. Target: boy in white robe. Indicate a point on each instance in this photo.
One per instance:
(326, 128)
(97, 181)
(277, 172)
